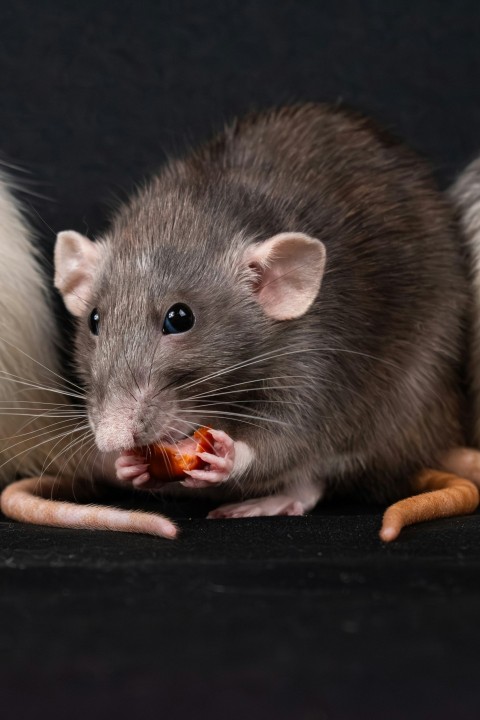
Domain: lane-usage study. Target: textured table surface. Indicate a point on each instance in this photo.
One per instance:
(283, 618)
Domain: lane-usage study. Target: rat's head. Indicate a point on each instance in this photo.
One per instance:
(169, 314)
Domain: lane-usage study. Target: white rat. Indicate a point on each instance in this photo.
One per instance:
(35, 414)
(465, 194)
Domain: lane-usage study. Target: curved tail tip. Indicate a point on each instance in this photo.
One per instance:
(151, 524)
(170, 531)
(389, 533)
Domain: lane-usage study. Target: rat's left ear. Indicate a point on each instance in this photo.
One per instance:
(76, 262)
(287, 273)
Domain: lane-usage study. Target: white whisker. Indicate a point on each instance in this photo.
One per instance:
(37, 416)
(70, 445)
(36, 431)
(75, 442)
(240, 403)
(64, 434)
(39, 402)
(221, 416)
(276, 354)
(88, 452)
(91, 463)
(232, 414)
(245, 363)
(62, 450)
(10, 377)
(223, 390)
(69, 382)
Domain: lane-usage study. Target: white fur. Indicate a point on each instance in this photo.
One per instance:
(27, 338)
(244, 457)
(466, 195)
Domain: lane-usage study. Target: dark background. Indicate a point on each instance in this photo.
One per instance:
(275, 618)
(95, 94)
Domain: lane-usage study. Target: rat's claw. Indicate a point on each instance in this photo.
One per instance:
(219, 463)
(203, 478)
(223, 441)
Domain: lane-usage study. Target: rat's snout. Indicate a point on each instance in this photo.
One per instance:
(124, 416)
(120, 423)
(114, 434)
(117, 427)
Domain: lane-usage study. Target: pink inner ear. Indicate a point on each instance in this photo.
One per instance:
(287, 274)
(76, 261)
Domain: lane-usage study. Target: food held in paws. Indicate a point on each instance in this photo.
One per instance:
(169, 462)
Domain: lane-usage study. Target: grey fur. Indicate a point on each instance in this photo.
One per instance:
(376, 358)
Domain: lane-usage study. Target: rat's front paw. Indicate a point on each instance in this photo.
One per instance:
(133, 468)
(219, 466)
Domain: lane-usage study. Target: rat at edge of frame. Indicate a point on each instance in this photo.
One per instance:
(296, 284)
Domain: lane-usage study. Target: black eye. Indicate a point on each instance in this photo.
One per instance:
(94, 321)
(178, 319)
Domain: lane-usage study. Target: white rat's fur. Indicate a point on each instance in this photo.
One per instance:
(27, 350)
(466, 196)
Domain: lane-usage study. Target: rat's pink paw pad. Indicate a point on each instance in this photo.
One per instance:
(259, 507)
(220, 462)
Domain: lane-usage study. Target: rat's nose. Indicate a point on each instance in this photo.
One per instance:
(137, 439)
(112, 436)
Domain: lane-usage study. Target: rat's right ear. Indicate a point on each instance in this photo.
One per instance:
(287, 273)
(76, 259)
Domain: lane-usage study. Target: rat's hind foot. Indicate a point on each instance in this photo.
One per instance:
(299, 499)
(260, 507)
(220, 463)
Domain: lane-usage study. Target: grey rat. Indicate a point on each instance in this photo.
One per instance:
(296, 283)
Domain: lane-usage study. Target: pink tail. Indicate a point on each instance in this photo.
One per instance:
(31, 501)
